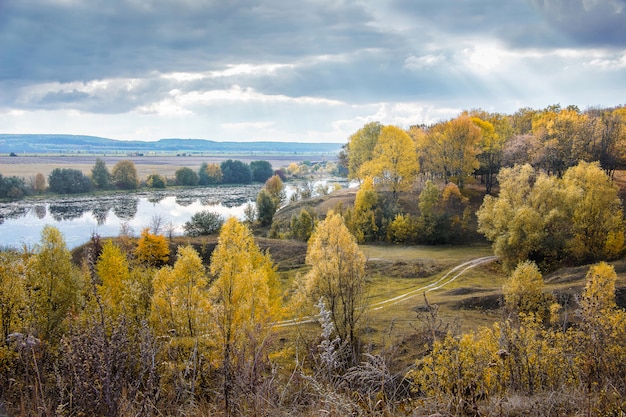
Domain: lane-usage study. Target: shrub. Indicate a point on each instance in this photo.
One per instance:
(203, 223)
(156, 181)
(186, 176)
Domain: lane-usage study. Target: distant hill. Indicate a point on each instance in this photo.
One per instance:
(76, 144)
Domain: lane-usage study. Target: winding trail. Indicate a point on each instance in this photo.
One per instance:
(446, 279)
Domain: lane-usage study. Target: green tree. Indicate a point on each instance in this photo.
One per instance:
(235, 172)
(303, 224)
(100, 175)
(156, 181)
(362, 221)
(245, 304)
(265, 207)
(68, 181)
(337, 276)
(124, 175)
(360, 148)
(209, 174)
(261, 170)
(203, 223)
(186, 176)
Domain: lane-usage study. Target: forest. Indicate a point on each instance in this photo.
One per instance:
(212, 325)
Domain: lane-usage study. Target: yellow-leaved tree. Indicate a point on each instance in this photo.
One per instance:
(112, 269)
(13, 300)
(337, 276)
(523, 291)
(246, 302)
(394, 163)
(53, 284)
(152, 249)
(180, 304)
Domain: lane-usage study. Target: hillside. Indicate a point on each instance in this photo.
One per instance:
(75, 144)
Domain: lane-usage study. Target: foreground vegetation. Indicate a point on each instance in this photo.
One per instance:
(345, 324)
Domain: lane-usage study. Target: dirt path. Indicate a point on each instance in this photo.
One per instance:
(446, 279)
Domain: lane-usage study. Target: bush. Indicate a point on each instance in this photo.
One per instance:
(203, 223)
(186, 176)
(156, 181)
(125, 175)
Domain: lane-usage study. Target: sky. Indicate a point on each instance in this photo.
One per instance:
(297, 70)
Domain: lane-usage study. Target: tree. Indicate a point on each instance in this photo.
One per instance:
(337, 276)
(266, 208)
(595, 209)
(495, 132)
(209, 174)
(203, 223)
(156, 181)
(68, 181)
(261, 170)
(100, 175)
(53, 284)
(523, 292)
(235, 172)
(449, 149)
(360, 148)
(152, 249)
(362, 220)
(276, 190)
(39, 183)
(245, 303)
(13, 301)
(114, 273)
(302, 225)
(551, 220)
(394, 165)
(186, 176)
(124, 175)
(180, 304)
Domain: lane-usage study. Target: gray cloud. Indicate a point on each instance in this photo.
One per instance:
(196, 65)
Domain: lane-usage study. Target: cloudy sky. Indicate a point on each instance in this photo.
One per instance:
(297, 70)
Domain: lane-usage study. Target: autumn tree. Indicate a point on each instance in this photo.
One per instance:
(495, 131)
(100, 175)
(124, 175)
(13, 301)
(180, 304)
(596, 214)
(53, 284)
(552, 220)
(393, 165)
(523, 291)
(113, 272)
(449, 149)
(337, 276)
(360, 148)
(362, 220)
(245, 304)
(39, 183)
(152, 249)
(209, 174)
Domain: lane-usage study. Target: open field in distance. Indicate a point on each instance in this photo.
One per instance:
(28, 166)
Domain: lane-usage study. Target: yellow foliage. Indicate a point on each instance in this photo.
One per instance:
(112, 269)
(180, 304)
(152, 249)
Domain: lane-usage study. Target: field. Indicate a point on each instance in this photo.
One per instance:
(28, 166)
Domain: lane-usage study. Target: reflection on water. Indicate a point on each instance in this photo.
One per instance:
(79, 217)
